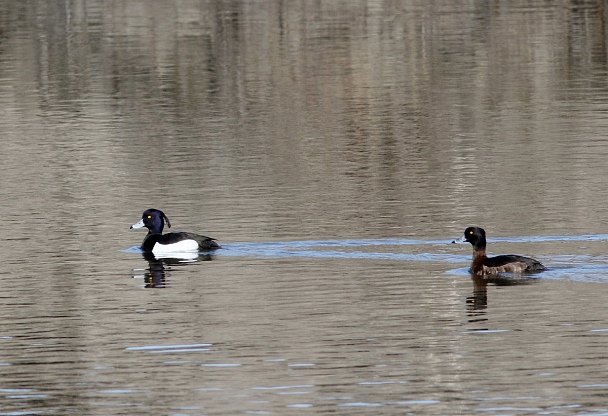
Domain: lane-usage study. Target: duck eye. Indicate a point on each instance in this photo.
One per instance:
(470, 232)
(149, 216)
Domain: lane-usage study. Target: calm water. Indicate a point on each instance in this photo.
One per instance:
(335, 149)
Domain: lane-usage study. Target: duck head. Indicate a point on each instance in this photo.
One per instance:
(153, 220)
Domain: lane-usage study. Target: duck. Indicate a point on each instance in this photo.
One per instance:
(175, 242)
(482, 265)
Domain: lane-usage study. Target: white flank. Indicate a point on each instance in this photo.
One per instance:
(184, 246)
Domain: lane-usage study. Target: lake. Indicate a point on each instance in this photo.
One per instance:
(335, 149)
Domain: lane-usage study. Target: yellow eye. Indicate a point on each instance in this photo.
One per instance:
(149, 216)
(470, 232)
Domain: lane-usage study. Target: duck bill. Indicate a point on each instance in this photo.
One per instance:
(460, 240)
(138, 224)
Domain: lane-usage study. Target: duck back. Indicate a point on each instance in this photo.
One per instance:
(508, 263)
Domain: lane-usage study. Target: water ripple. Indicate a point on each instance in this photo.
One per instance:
(578, 267)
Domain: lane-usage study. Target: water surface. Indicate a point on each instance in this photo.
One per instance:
(335, 150)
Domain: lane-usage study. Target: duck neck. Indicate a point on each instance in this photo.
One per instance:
(480, 247)
(479, 256)
(149, 242)
(155, 229)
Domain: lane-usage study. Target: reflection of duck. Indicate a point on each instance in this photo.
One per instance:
(176, 242)
(156, 274)
(154, 277)
(478, 303)
(479, 300)
(483, 265)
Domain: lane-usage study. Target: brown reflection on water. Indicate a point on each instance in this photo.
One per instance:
(381, 115)
(388, 109)
(297, 121)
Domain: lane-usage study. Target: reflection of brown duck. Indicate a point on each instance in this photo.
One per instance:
(482, 265)
(479, 300)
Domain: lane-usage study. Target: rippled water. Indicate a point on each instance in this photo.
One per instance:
(335, 150)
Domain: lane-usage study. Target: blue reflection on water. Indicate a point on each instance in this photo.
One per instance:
(562, 267)
(342, 249)
(262, 250)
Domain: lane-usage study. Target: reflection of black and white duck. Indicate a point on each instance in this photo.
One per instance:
(176, 242)
(482, 265)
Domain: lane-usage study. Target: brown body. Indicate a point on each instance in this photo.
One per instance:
(482, 265)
